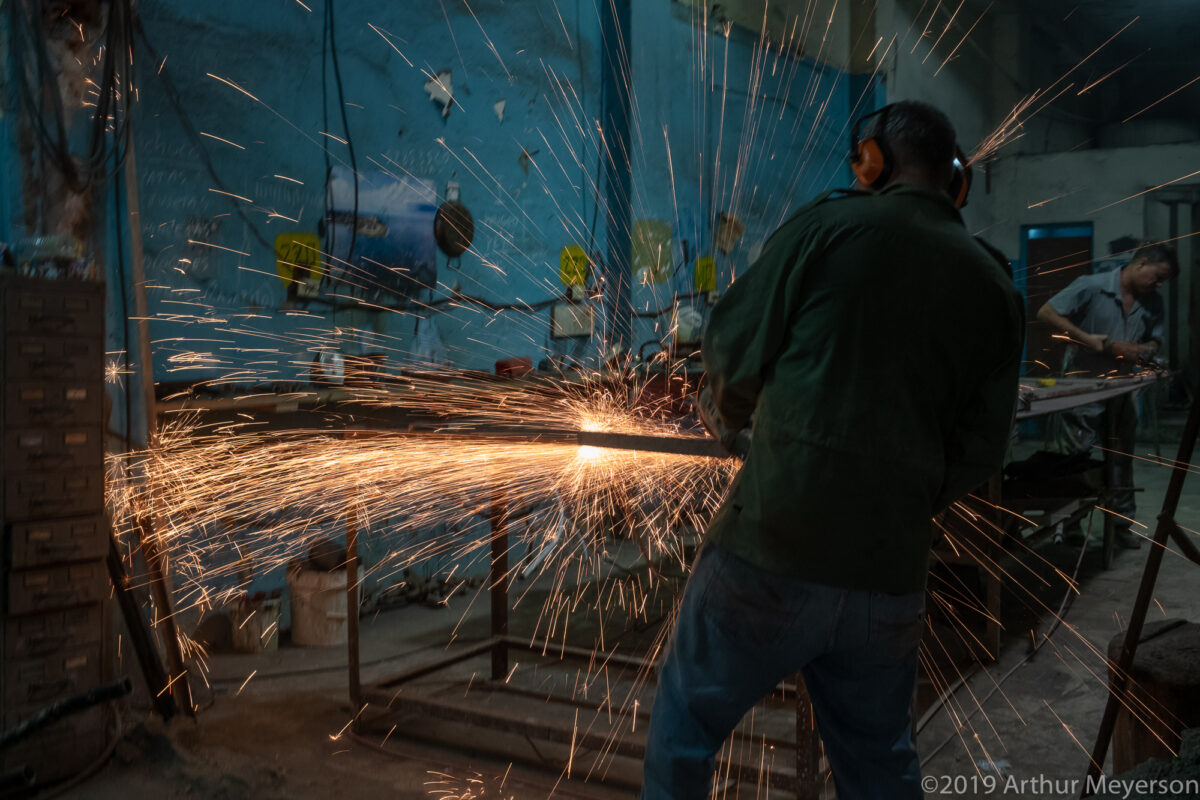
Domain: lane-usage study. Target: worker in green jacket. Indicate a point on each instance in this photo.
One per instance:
(876, 344)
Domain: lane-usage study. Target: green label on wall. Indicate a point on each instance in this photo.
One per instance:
(653, 251)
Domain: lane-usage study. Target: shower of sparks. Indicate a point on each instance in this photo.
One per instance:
(234, 494)
(1010, 128)
(451, 458)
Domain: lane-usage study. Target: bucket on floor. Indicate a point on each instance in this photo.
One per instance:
(318, 605)
(256, 624)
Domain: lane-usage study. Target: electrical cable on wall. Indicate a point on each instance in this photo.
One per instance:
(339, 303)
(668, 308)
(326, 229)
(110, 132)
(329, 37)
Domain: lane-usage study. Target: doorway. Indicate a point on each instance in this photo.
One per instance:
(1053, 255)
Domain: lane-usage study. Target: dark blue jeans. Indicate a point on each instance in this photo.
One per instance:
(741, 631)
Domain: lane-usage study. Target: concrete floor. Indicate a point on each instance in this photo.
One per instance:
(277, 736)
(1041, 722)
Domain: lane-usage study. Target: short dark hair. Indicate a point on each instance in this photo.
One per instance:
(918, 134)
(1158, 253)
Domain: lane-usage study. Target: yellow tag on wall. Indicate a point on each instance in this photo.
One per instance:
(573, 266)
(298, 260)
(706, 274)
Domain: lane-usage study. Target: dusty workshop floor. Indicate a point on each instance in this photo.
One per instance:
(278, 735)
(1041, 721)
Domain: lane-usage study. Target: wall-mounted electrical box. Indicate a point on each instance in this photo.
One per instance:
(568, 320)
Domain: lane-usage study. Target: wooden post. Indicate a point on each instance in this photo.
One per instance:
(156, 562)
(143, 643)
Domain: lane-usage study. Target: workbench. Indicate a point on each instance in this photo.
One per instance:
(982, 546)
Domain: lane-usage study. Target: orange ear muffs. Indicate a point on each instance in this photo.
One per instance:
(869, 164)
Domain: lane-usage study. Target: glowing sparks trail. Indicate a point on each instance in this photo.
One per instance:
(233, 494)
(236, 493)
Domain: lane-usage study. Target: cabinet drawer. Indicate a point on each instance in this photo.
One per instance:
(37, 635)
(53, 358)
(43, 449)
(44, 589)
(35, 682)
(53, 308)
(53, 494)
(52, 403)
(55, 541)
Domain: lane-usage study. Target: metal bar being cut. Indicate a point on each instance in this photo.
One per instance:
(646, 443)
(683, 446)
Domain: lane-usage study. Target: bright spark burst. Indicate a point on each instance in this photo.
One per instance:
(230, 493)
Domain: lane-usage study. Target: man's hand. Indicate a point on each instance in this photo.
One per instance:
(736, 443)
(1129, 350)
(1093, 341)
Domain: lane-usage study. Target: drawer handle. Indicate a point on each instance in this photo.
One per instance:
(54, 368)
(59, 547)
(44, 456)
(48, 409)
(68, 318)
(45, 643)
(64, 594)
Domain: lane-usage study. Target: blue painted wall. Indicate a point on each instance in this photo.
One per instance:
(725, 122)
(539, 58)
(720, 123)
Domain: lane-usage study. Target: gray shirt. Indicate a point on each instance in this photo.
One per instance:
(1093, 302)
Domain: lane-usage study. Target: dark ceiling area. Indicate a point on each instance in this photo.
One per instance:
(1146, 67)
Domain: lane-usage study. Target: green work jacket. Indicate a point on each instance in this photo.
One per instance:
(877, 345)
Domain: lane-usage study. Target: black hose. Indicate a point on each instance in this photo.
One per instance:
(64, 708)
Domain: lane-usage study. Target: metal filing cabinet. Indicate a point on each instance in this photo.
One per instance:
(55, 634)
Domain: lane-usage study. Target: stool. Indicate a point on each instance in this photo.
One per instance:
(1163, 692)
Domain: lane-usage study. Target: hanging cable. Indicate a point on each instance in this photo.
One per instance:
(331, 35)
(110, 132)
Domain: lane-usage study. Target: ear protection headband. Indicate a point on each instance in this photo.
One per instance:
(872, 162)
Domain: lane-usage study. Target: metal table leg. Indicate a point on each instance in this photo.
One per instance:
(498, 584)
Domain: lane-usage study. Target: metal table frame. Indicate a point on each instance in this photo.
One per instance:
(389, 694)
(1064, 395)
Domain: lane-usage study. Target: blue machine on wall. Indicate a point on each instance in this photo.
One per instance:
(394, 250)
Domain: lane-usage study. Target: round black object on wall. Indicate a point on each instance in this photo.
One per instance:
(453, 228)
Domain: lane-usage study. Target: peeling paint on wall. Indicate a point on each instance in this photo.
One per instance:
(441, 91)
